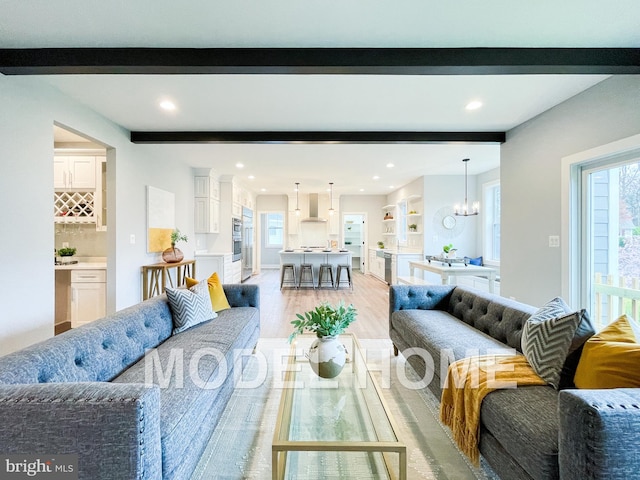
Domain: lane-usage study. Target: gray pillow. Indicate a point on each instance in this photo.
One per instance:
(546, 338)
(583, 333)
(190, 307)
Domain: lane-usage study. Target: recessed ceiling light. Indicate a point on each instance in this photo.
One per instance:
(239, 165)
(391, 186)
(473, 105)
(167, 105)
(251, 177)
(263, 189)
(376, 177)
(362, 189)
(390, 165)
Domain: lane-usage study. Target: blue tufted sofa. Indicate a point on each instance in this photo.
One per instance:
(84, 392)
(533, 432)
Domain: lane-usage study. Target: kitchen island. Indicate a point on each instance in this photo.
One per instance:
(315, 257)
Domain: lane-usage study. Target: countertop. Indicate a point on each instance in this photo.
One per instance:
(316, 250)
(84, 263)
(393, 251)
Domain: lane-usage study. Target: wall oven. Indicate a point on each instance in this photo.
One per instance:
(236, 236)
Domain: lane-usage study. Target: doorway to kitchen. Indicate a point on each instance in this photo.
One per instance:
(80, 219)
(355, 238)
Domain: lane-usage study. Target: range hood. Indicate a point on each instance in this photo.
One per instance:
(313, 210)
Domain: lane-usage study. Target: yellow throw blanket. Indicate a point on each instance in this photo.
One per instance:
(468, 381)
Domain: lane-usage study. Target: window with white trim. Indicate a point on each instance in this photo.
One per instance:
(491, 226)
(275, 229)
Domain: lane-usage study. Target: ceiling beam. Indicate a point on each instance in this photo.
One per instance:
(316, 61)
(317, 137)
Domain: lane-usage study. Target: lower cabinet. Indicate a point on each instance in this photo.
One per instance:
(376, 264)
(220, 263)
(88, 296)
(236, 268)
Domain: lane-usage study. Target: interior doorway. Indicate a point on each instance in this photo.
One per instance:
(80, 220)
(355, 238)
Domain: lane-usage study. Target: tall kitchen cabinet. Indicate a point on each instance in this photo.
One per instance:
(218, 199)
(206, 204)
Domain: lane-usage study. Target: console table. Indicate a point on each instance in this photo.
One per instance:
(156, 276)
(446, 272)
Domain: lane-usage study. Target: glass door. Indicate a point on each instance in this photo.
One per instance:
(610, 240)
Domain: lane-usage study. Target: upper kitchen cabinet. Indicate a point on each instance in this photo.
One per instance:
(74, 172)
(207, 187)
(207, 204)
(80, 189)
(242, 197)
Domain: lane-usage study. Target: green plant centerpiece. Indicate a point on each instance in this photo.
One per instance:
(327, 355)
(173, 254)
(449, 251)
(67, 251)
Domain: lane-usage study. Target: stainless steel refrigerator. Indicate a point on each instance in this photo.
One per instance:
(247, 243)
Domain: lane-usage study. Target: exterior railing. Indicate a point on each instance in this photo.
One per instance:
(614, 296)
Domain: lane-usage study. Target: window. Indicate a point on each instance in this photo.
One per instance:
(611, 240)
(491, 226)
(275, 229)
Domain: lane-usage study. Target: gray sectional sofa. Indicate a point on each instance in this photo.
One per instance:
(83, 392)
(533, 432)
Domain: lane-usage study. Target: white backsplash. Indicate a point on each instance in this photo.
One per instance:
(313, 234)
(84, 238)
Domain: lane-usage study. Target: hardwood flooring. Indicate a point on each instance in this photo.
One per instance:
(278, 307)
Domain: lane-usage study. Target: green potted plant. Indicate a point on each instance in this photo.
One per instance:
(413, 227)
(327, 356)
(380, 244)
(173, 254)
(67, 251)
(449, 251)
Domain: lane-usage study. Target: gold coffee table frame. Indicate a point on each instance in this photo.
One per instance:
(375, 432)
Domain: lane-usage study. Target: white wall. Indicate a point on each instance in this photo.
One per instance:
(28, 111)
(447, 191)
(530, 180)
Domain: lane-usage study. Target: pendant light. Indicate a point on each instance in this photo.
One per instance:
(297, 204)
(331, 210)
(464, 210)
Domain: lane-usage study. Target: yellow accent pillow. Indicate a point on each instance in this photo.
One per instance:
(610, 358)
(216, 292)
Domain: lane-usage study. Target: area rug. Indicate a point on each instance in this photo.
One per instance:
(240, 447)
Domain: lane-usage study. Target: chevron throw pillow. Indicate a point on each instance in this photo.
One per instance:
(546, 338)
(190, 307)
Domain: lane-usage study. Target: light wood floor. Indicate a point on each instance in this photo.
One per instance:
(279, 307)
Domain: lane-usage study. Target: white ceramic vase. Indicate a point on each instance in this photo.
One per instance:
(327, 356)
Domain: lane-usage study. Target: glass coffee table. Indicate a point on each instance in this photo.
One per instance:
(335, 428)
